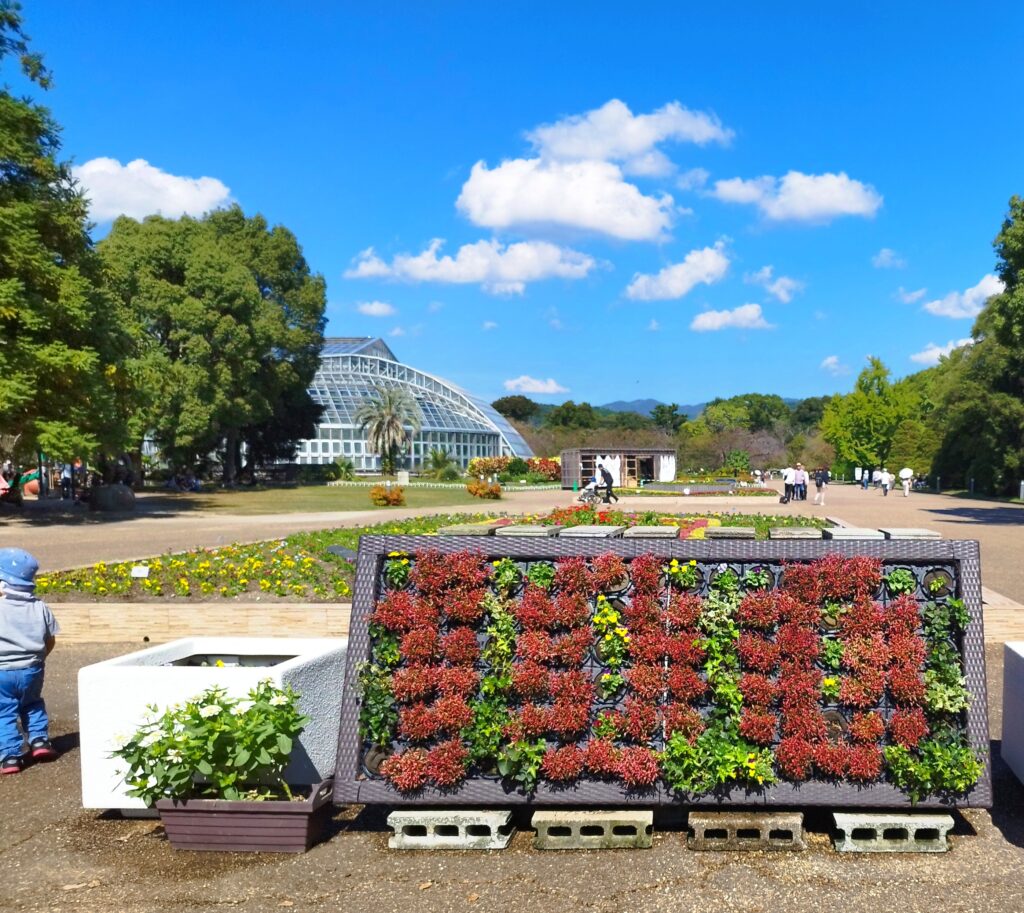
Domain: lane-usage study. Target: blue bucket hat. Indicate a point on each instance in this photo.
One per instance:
(18, 568)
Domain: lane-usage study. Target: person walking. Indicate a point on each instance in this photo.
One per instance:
(906, 477)
(886, 481)
(800, 482)
(821, 476)
(788, 483)
(606, 477)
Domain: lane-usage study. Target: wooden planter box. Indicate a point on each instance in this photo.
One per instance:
(247, 826)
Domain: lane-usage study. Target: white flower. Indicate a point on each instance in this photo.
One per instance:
(175, 756)
(151, 782)
(277, 700)
(210, 710)
(241, 707)
(150, 739)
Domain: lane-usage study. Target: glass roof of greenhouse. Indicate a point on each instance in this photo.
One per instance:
(350, 368)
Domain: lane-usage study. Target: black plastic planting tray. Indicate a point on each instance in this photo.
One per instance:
(355, 784)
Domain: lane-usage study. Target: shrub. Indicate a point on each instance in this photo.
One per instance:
(484, 490)
(387, 495)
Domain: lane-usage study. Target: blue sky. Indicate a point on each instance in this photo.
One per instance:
(610, 188)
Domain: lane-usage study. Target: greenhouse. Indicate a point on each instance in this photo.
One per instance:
(453, 420)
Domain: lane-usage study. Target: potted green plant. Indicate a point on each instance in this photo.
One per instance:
(213, 768)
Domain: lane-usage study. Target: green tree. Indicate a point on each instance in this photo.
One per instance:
(226, 324)
(61, 344)
(625, 421)
(861, 425)
(807, 413)
(725, 415)
(518, 408)
(390, 420)
(737, 461)
(668, 417)
(571, 415)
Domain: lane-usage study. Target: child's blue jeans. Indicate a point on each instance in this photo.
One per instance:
(21, 698)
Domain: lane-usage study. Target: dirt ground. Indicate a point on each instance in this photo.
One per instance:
(55, 856)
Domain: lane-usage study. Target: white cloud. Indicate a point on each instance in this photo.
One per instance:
(802, 197)
(887, 258)
(834, 366)
(435, 306)
(613, 133)
(498, 268)
(488, 325)
(931, 353)
(693, 179)
(968, 303)
(782, 288)
(588, 195)
(553, 319)
(397, 331)
(910, 297)
(745, 317)
(654, 326)
(375, 308)
(138, 189)
(527, 384)
(707, 265)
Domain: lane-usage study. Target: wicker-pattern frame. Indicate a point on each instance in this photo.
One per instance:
(350, 785)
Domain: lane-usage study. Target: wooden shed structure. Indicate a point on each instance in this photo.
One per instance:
(629, 466)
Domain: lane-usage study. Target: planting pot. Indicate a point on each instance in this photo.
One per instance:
(222, 825)
(941, 576)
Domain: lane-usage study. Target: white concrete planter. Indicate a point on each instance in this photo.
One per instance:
(113, 696)
(1012, 749)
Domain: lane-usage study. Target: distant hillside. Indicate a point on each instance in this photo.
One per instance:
(646, 406)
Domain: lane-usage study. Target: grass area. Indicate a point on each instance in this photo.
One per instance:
(308, 499)
(300, 567)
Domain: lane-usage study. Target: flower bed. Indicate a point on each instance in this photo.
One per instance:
(299, 567)
(650, 676)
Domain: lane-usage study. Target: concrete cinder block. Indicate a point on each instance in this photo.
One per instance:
(446, 829)
(910, 533)
(597, 531)
(853, 532)
(753, 830)
(874, 832)
(794, 532)
(466, 529)
(593, 830)
(113, 696)
(651, 532)
(1012, 749)
(527, 529)
(730, 532)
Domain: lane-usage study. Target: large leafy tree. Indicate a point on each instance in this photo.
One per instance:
(518, 408)
(667, 417)
(390, 419)
(59, 343)
(226, 323)
(861, 425)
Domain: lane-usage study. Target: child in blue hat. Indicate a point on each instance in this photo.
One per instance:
(27, 635)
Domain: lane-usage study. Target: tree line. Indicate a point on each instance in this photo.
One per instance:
(198, 335)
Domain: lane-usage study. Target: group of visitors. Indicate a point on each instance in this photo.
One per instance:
(184, 481)
(885, 480)
(795, 481)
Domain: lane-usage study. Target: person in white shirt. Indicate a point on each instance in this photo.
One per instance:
(788, 481)
(886, 480)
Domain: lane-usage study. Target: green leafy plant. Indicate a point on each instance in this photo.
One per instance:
(215, 746)
(757, 578)
(606, 726)
(946, 690)
(520, 762)
(944, 619)
(832, 653)
(609, 684)
(541, 574)
(396, 570)
(726, 581)
(386, 652)
(830, 686)
(612, 637)
(900, 581)
(500, 646)
(681, 574)
(378, 716)
(506, 575)
(484, 734)
(716, 757)
(934, 768)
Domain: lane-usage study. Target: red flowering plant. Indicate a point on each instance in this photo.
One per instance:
(561, 765)
(686, 646)
(571, 610)
(798, 645)
(571, 649)
(601, 757)
(638, 767)
(645, 573)
(401, 611)
(413, 683)
(862, 618)
(902, 615)
(451, 713)
(464, 605)
(459, 646)
(647, 681)
(420, 645)
(647, 646)
(683, 610)
(572, 686)
(907, 726)
(639, 719)
(416, 722)
(760, 609)
(447, 763)
(407, 771)
(804, 722)
(533, 719)
(536, 646)
(864, 763)
(573, 576)
(831, 759)
(758, 690)
(757, 652)
(906, 686)
(530, 679)
(608, 572)
(642, 613)
(535, 610)
(795, 755)
(568, 720)
(863, 690)
(757, 726)
(686, 684)
(865, 652)
(866, 728)
(460, 680)
(434, 572)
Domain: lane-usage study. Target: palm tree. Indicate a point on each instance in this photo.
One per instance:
(438, 462)
(389, 421)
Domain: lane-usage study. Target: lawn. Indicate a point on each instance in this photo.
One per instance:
(307, 499)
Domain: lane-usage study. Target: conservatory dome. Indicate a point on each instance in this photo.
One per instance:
(453, 420)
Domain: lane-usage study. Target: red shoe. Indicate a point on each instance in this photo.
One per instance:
(12, 764)
(43, 750)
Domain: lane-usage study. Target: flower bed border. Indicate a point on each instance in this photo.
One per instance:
(351, 786)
